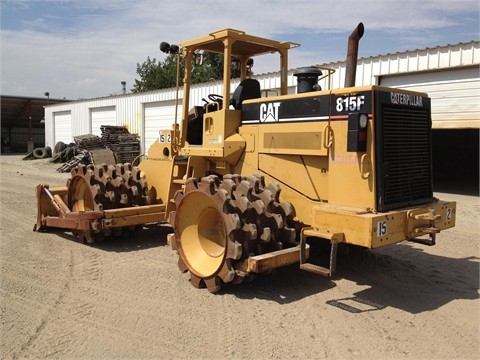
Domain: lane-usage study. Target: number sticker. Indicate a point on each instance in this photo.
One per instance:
(449, 214)
(350, 103)
(381, 228)
(161, 138)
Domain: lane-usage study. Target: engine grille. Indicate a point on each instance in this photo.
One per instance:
(405, 168)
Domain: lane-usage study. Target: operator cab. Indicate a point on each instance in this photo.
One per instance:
(222, 111)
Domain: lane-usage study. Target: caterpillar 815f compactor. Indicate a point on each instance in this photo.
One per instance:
(247, 178)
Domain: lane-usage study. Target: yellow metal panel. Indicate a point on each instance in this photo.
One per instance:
(159, 151)
(285, 140)
(303, 138)
(292, 171)
(376, 230)
(217, 127)
(317, 169)
(448, 214)
(234, 146)
(440, 216)
(245, 45)
(157, 174)
(249, 137)
(356, 227)
(200, 151)
(352, 175)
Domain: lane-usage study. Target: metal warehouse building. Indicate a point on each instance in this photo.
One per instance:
(449, 74)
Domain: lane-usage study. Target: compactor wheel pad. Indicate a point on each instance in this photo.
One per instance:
(102, 187)
(220, 223)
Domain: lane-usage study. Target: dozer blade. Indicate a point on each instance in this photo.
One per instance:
(48, 203)
(53, 212)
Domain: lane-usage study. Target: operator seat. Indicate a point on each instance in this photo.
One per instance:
(247, 89)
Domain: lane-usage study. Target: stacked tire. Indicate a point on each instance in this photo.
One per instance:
(63, 152)
(42, 153)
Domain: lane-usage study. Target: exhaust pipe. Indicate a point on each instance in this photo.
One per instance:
(352, 55)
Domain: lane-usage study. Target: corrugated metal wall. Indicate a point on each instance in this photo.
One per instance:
(128, 109)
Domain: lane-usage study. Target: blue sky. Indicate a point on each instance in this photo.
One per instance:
(84, 48)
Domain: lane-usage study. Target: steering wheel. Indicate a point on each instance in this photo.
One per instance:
(215, 98)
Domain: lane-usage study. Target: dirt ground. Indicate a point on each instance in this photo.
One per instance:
(126, 299)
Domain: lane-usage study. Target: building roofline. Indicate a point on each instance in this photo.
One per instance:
(405, 52)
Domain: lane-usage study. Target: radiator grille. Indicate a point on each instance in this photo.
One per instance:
(406, 156)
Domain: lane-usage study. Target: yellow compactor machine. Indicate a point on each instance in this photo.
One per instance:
(252, 177)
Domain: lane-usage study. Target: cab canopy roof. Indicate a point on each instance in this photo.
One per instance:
(243, 45)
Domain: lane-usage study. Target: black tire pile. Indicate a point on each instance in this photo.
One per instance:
(125, 148)
(63, 152)
(71, 155)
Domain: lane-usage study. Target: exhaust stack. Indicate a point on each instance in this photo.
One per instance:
(352, 55)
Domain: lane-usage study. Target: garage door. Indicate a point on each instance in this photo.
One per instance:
(102, 116)
(62, 121)
(454, 95)
(159, 116)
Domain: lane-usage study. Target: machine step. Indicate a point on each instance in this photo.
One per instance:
(316, 269)
(313, 268)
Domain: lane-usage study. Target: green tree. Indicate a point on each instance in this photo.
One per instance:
(160, 75)
(156, 75)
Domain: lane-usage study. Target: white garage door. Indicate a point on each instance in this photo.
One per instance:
(159, 116)
(102, 116)
(62, 121)
(454, 95)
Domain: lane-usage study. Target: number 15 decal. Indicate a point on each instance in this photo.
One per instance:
(381, 228)
(162, 138)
